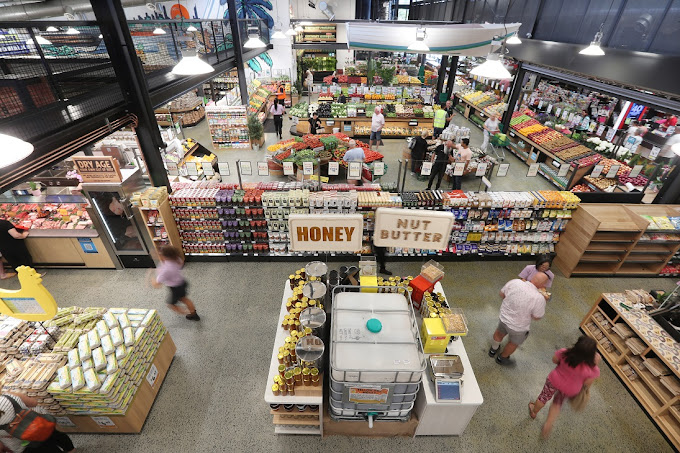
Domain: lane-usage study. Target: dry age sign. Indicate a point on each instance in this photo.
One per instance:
(419, 229)
(98, 169)
(325, 233)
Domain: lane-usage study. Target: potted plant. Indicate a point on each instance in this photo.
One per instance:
(255, 131)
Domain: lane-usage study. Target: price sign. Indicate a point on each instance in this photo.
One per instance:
(324, 179)
(152, 375)
(103, 422)
(592, 126)
(379, 168)
(288, 169)
(540, 104)
(612, 171)
(526, 96)
(192, 168)
(307, 168)
(564, 169)
(65, 421)
(610, 134)
(223, 167)
(502, 170)
(654, 153)
(597, 171)
(507, 91)
(549, 109)
(172, 168)
(635, 171)
(481, 169)
(600, 129)
(565, 115)
(426, 169)
(533, 170)
(557, 111)
(354, 171)
(207, 168)
(245, 167)
(314, 177)
(459, 169)
(333, 168)
(262, 169)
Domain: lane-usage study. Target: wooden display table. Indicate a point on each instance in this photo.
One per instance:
(661, 404)
(133, 420)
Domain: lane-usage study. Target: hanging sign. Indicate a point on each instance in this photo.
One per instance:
(613, 170)
(354, 170)
(98, 169)
(333, 168)
(421, 229)
(262, 169)
(481, 169)
(654, 153)
(597, 171)
(502, 170)
(307, 168)
(379, 168)
(32, 302)
(426, 169)
(223, 168)
(326, 232)
(533, 170)
(288, 169)
(245, 167)
(635, 171)
(207, 168)
(564, 170)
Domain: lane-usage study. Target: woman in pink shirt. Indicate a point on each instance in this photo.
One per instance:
(169, 273)
(576, 368)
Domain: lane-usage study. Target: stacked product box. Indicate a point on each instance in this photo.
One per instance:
(32, 376)
(105, 370)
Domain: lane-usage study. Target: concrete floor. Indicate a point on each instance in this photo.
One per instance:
(212, 398)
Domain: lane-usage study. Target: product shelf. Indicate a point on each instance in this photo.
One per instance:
(652, 381)
(289, 429)
(286, 418)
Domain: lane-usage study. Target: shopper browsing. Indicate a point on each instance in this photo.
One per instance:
(418, 152)
(543, 263)
(13, 247)
(354, 153)
(522, 303)
(314, 123)
(169, 273)
(576, 370)
(440, 158)
(450, 111)
(309, 80)
(278, 111)
(377, 123)
(490, 129)
(461, 154)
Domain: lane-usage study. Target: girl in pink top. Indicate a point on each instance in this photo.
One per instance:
(576, 368)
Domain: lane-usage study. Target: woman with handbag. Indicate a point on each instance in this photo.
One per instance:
(576, 370)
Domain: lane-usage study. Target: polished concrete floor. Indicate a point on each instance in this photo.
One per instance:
(212, 398)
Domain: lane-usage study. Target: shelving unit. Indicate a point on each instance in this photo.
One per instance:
(189, 116)
(293, 422)
(161, 225)
(228, 126)
(612, 239)
(317, 33)
(660, 402)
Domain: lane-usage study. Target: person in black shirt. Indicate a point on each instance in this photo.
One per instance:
(13, 247)
(342, 99)
(440, 160)
(448, 106)
(314, 123)
(418, 152)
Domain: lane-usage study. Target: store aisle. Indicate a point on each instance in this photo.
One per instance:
(212, 399)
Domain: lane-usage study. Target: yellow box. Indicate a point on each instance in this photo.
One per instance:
(368, 280)
(434, 336)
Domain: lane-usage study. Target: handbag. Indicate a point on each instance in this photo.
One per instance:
(580, 401)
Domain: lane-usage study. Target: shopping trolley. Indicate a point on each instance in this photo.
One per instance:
(498, 142)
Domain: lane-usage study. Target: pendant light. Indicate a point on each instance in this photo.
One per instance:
(158, 31)
(298, 28)
(72, 31)
(14, 150)
(254, 41)
(514, 39)
(51, 29)
(594, 48)
(278, 34)
(100, 36)
(191, 64)
(40, 40)
(191, 28)
(290, 32)
(419, 44)
(492, 68)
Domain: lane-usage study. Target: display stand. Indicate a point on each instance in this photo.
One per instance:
(164, 220)
(133, 420)
(448, 418)
(655, 397)
(293, 422)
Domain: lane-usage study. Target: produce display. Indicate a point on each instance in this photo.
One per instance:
(601, 182)
(574, 152)
(299, 110)
(259, 98)
(394, 130)
(588, 161)
(481, 99)
(47, 216)
(639, 180)
(581, 188)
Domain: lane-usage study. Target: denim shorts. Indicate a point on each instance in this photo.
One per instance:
(375, 135)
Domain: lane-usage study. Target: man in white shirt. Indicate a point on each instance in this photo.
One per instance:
(522, 303)
(462, 153)
(377, 123)
(490, 128)
(354, 153)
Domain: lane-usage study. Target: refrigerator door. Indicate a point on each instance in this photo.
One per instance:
(118, 222)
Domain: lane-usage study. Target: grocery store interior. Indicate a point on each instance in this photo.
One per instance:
(312, 220)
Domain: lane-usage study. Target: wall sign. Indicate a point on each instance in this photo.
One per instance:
(98, 169)
(326, 232)
(413, 228)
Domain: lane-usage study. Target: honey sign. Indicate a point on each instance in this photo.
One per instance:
(325, 232)
(98, 169)
(412, 228)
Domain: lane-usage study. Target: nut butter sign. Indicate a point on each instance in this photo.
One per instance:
(325, 232)
(413, 228)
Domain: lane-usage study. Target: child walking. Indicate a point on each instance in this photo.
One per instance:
(169, 273)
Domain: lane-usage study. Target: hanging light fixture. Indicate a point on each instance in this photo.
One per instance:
(493, 67)
(191, 64)
(158, 31)
(305, 22)
(72, 31)
(254, 41)
(100, 36)
(14, 150)
(419, 44)
(278, 34)
(298, 28)
(191, 28)
(51, 29)
(40, 40)
(514, 39)
(594, 48)
(290, 32)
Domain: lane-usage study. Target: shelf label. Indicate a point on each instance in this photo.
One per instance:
(654, 153)
(635, 171)
(597, 171)
(207, 168)
(600, 129)
(481, 169)
(103, 422)
(192, 168)
(426, 169)
(612, 171)
(307, 168)
(245, 167)
(152, 375)
(564, 169)
(324, 179)
(379, 168)
(502, 170)
(262, 169)
(288, 169)
(459, 169)
(540, 104)
(65, 421)
(333, 168)
(314, 177)
(533, 170)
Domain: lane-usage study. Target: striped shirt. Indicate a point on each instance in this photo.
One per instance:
(7, 415)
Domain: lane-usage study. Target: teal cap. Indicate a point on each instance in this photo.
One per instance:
(374, 325)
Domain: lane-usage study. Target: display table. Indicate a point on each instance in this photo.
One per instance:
(66, 248)
(448, 418)
(133, 420)
(294, 422)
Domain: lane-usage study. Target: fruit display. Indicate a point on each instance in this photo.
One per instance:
(545, 135)
(559, 143)
(407, 80)
(325, 96)
(481, 99)
(47, 216)
(428, 112)
(394, 130)
(609, 163)
(526, 123)
(639, 180)
(530, 129)
(573, 153)
(299, 110)
(496, 109)
(257, 99)
(601, 182)
(581, 188)
(589, 160)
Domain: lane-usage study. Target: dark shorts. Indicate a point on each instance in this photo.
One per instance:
(515, 336)
(375, 135)
(177, 292)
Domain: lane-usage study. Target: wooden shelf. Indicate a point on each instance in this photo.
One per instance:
(592, 268)
(307, 411)
(612, 237)
(600, 258)
(287, 419)
(607, 247)
(652, 381)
